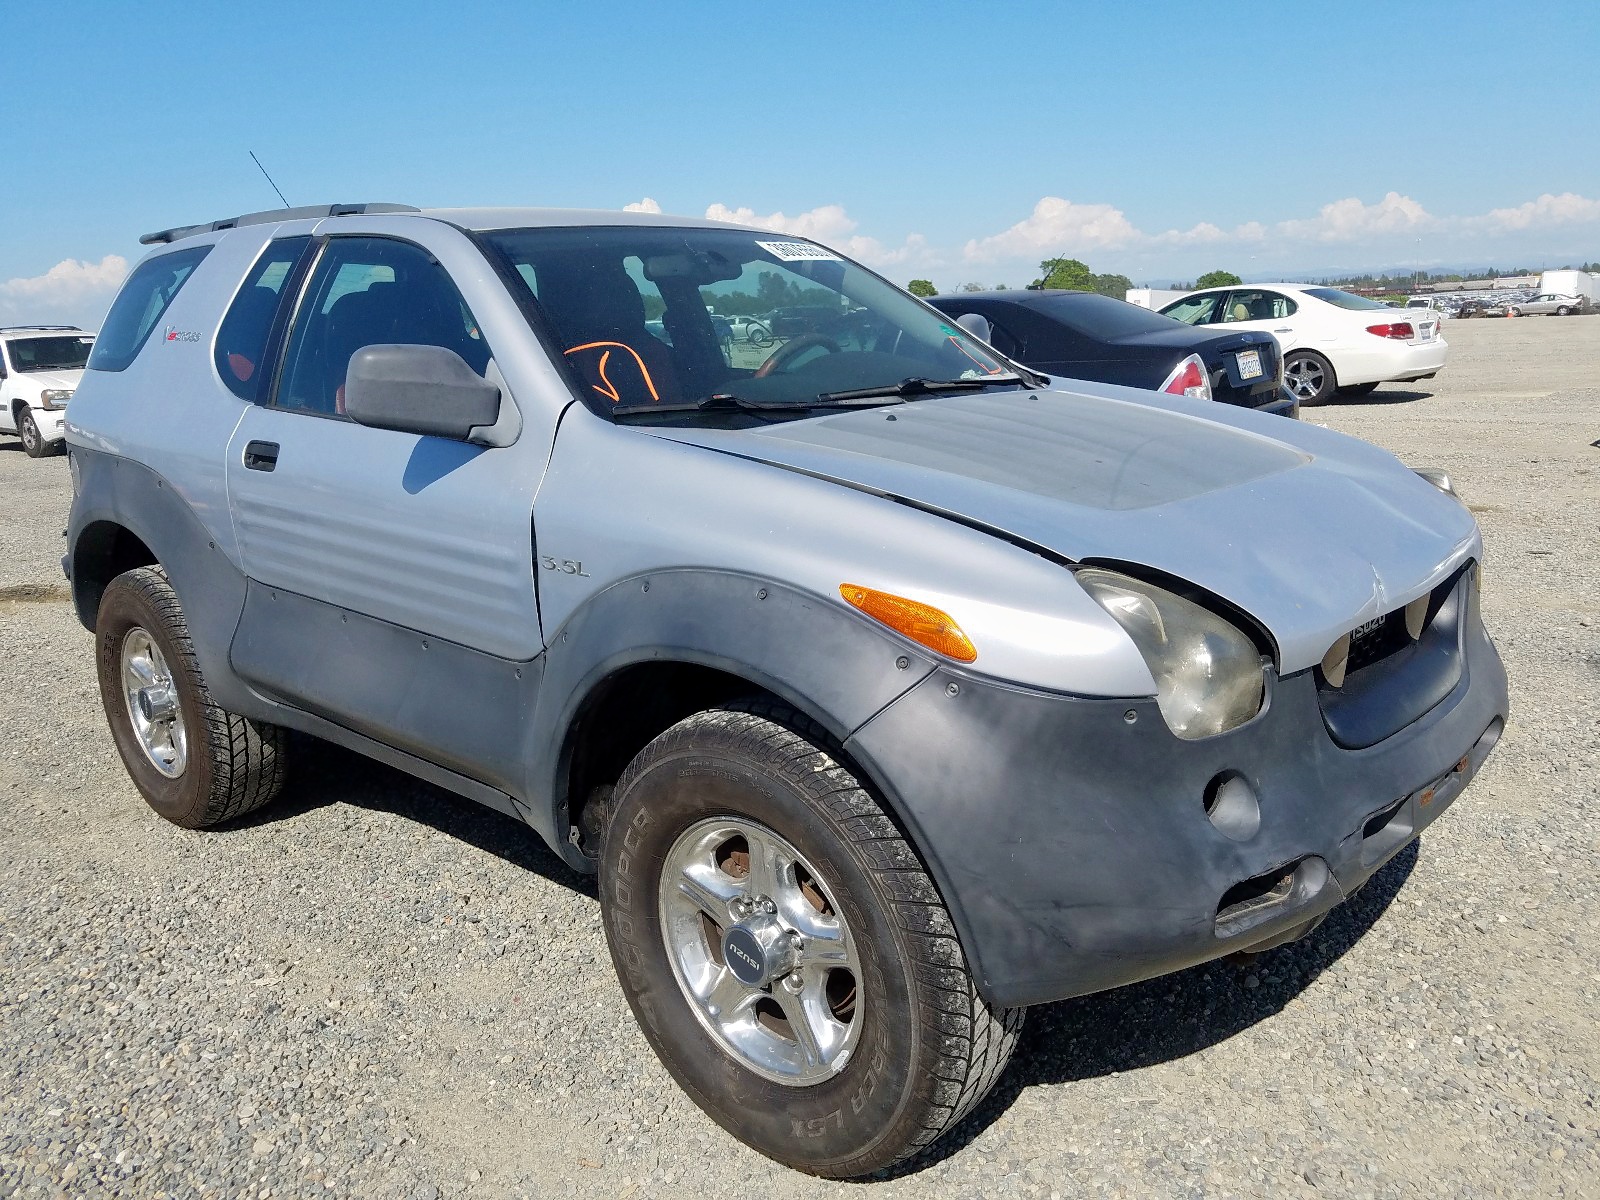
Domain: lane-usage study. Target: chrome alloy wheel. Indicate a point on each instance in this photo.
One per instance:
(761, 950)
(1305, 377)
(153, 709)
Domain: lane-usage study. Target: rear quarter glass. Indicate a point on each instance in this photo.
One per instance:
(140, 305)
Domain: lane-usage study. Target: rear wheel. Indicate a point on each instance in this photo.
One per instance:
(1309, 376)
(1562, 310)
(195, 763)
(785, 952)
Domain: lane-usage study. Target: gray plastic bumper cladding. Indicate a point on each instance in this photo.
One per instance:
(1072, 840)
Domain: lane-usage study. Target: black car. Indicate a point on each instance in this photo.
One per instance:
(1084, 336)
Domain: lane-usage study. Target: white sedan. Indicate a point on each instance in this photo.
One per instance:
(1331, 340)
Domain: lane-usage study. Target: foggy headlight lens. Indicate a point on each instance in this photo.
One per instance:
(1208, 674)
(55, 398)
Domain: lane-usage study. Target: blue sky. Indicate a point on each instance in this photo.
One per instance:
(957, 141)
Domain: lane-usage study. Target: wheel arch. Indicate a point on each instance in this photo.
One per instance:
(103, 550)
(643, 654)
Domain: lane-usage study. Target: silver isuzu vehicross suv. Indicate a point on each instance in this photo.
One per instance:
(888, 686)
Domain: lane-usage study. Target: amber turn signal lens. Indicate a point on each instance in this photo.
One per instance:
(922, 623)
(1336, 662)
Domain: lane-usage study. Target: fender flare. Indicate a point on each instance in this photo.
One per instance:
(828, 661)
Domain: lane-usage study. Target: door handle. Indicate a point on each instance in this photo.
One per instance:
(260, 456)
(1285, 329)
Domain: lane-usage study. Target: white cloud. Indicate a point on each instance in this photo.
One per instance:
(1545, 212)
(832, 226)
(71, 291)
(1057, 226)
(1350, 220)
(646, 205)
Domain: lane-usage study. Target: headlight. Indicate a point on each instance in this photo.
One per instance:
(55, 397)
(1208, 674)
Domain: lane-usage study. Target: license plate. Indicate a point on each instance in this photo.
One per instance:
(1249, 364)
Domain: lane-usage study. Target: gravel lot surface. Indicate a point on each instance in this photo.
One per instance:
(372, 989)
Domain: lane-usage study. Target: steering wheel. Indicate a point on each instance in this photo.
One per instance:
(784, 354)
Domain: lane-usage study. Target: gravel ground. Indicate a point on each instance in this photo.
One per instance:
(372, 989)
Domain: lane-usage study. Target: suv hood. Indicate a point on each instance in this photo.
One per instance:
(1309, 531)
(48, 380)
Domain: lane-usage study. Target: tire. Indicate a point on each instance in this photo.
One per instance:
(759, 336)
(1310, 377)
(201, 765)
(906, 1047)
(1513, 312)
(1359, 389)
(1562, 311)
(33, 442)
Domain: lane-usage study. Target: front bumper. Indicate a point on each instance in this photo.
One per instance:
(1071, 840)
(51, 422)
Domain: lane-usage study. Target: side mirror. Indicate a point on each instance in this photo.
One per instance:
(418, 389)
(975, 324)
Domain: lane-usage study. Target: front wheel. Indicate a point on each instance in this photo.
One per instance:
(1310, 377)
(32, 440)
(784, 950)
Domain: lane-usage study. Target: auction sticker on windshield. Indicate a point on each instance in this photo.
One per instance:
(1249, 364)
(798, 252)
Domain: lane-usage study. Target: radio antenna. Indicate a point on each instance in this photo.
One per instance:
(275, 187)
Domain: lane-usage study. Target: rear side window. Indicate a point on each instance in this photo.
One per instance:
(139, 305)
(242, 341)
(1194, 310)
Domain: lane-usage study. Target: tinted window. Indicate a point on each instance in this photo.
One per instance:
(371, 292)
(1102, 317)
(1344, 299)
(1252, 304)
(242, 341)
(139, 305)
(51, 353)
(1195, 310)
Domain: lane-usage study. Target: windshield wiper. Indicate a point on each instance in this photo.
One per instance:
(728, 402)
(916, 386)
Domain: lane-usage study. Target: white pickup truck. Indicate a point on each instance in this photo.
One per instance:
(40, 366)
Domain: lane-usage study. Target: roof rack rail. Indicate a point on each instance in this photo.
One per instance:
(37, 328)
(272, 215)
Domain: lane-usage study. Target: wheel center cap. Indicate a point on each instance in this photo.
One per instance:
(757, 951)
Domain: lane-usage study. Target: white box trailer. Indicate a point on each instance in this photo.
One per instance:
(1579, 284)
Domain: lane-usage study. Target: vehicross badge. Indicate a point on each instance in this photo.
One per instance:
(175, 334)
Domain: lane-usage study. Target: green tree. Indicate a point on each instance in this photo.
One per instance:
(1218, 279)
(921, 287)
(1115, 286)
(1065, 273)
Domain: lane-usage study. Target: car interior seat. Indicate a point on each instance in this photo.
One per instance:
(599, 317)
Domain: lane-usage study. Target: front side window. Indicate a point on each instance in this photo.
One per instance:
(1256, 305)
(55, 353)
(370, 292)
(646, 318)
(139, 307)
(1195, 310)
(242, 340)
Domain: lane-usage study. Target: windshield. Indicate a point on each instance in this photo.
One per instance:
(50, 353)
(1340, 299)
(659, 319)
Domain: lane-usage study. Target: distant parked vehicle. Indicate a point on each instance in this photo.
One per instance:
(1084, 336)
(1430, 304)
(1547, 306)
(1578, 284)
(40, 366)
(750, 329)
(800, 319)
(1331, 339)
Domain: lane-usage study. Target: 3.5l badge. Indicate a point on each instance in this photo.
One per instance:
(565, 565)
